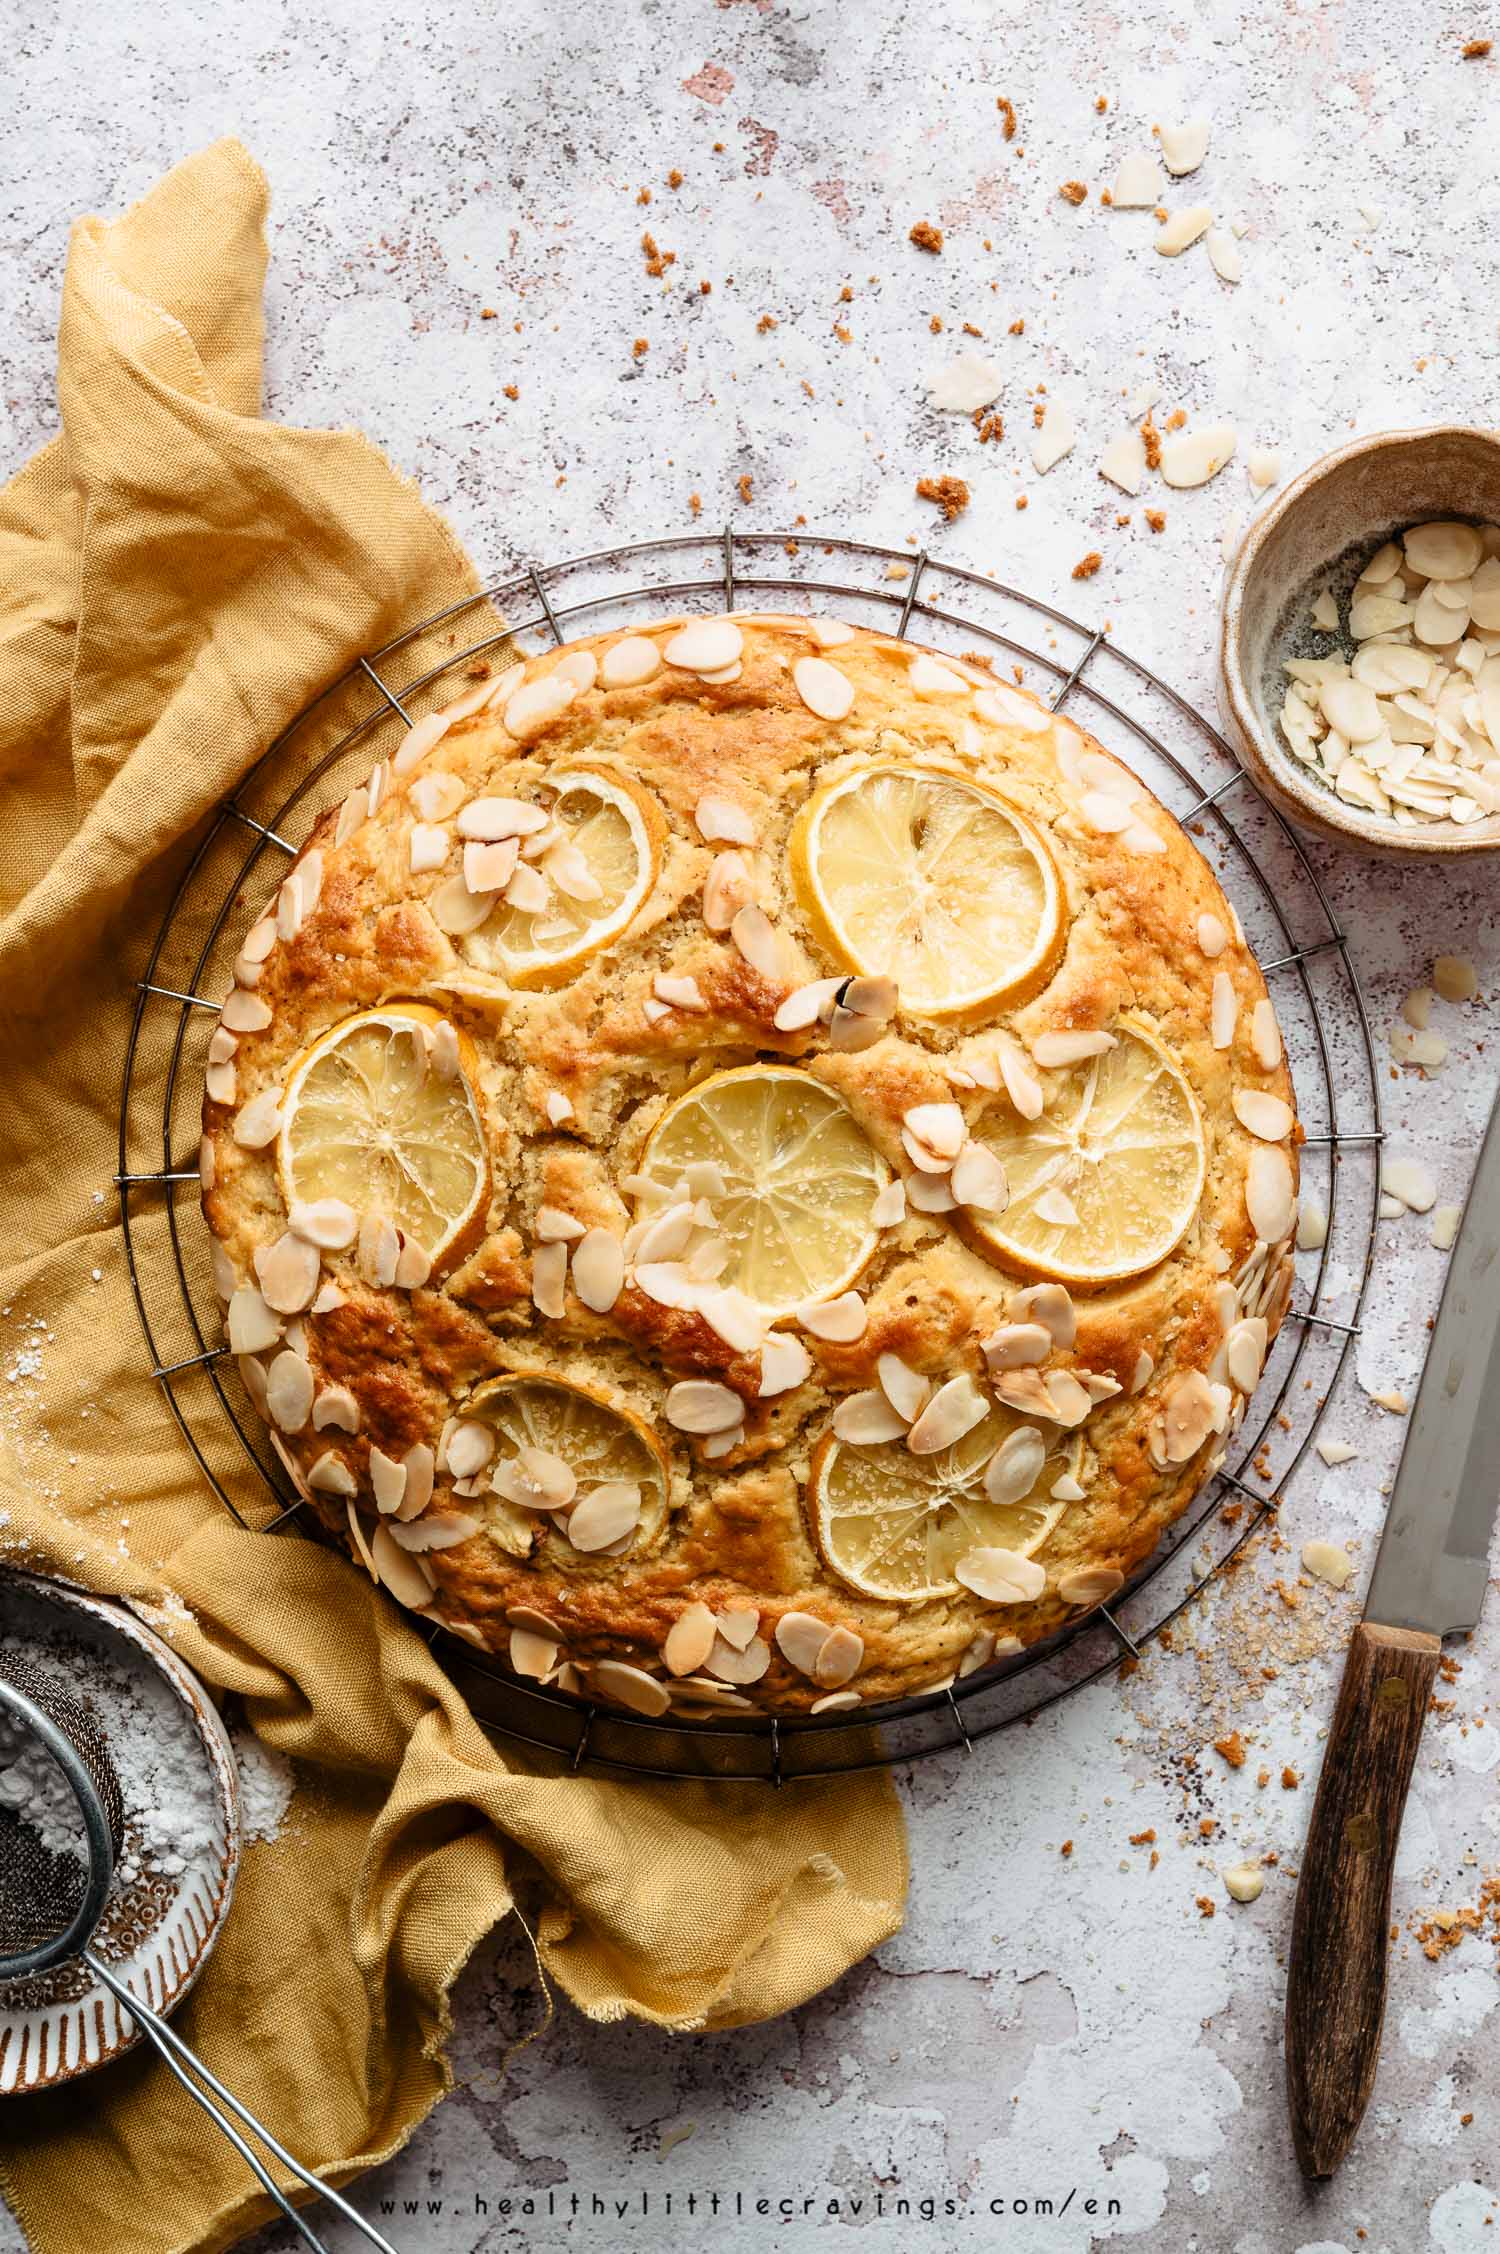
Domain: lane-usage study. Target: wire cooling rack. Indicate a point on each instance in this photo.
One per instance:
(1287, 920)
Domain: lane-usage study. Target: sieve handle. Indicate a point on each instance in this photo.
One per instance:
(184, 2063)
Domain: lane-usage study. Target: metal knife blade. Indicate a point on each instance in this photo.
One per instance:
(1433, 1564)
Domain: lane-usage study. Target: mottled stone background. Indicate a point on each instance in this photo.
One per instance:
(1045, 2024)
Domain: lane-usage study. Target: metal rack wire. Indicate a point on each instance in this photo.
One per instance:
(1287, 920)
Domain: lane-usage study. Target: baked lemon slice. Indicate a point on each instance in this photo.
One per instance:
(894, 1525)
(595, 883)
(931, 879)
(1107, 1180)
(608, 1451)
(799, 1180)
(369, 1117)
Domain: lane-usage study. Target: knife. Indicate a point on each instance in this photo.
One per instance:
(1429, 1582)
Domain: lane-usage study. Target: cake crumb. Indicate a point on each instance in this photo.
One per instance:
(1073, 192)
(1232, 1749)
(950, 493)
(1007, 109)
(927, 237)
(1289, 1780)
(1157, 519)
(1086, 566)
(1475, 50)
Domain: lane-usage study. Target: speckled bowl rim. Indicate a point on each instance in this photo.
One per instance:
(59, 2043)
(1273, 769)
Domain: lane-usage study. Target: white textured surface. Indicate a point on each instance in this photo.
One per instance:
(1042, 2023)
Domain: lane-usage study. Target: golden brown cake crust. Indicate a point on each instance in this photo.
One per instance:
(570, 1079)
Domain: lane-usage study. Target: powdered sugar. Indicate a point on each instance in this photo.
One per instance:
(171, 1815)
(267, 1782)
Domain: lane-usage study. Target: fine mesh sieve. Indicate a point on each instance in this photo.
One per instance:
(51, 1902)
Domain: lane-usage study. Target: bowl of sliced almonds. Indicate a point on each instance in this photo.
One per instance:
(1360, 643)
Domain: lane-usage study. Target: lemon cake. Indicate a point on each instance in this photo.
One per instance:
(749, 1165)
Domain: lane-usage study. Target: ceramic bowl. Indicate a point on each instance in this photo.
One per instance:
(1319, 532)
(160, 1935)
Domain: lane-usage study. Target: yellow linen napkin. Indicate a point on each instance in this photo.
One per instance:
(177, 580)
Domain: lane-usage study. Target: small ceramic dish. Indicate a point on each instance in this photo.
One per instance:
(158, 1933)
(1318, 533)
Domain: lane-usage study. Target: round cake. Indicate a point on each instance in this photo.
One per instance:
(749, 1165)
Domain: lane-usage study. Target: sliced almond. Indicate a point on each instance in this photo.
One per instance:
(806, 1004)
(1189, 1414)
(936, 1128)
(727, 1665)
(387, 1479)
(1137, 185)
(1055, 1051)
(800, 1638)
(978, 1179)
(728, 887)
(1326, 1561)
(1090, 1584)
(469, 1447)
(549, 1274)
(1055, 437)
(1183, 147)
(330, 1475)
(1017, 1346)
(1270, 1195)
(1051, 1306)
(289, 1391)
(707, 645)
(258, 1122)
(953, 1410)
(1224, 1010)
(1263, 1115)
(823, 688)
(631, 1687)
(784, 1364)
(253, 1324)
(605, 1515)
(1123, 461)
(841, 1657)
(906, 1390)
(757, 939)
(840, 1320)
(287, 1272)
(1016, 1466)
(689, 1640)
(866, 1419)
(1001, 1576)
(531, 1654)
(327, 1222)
(702, 1405)
(598, 1269)
(629, 662)
(1175, 234)
(721, 819)
(1195, 456)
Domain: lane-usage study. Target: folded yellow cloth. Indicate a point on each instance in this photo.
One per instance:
(178, 578)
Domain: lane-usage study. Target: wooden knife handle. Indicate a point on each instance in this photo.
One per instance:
(1335, 1997)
